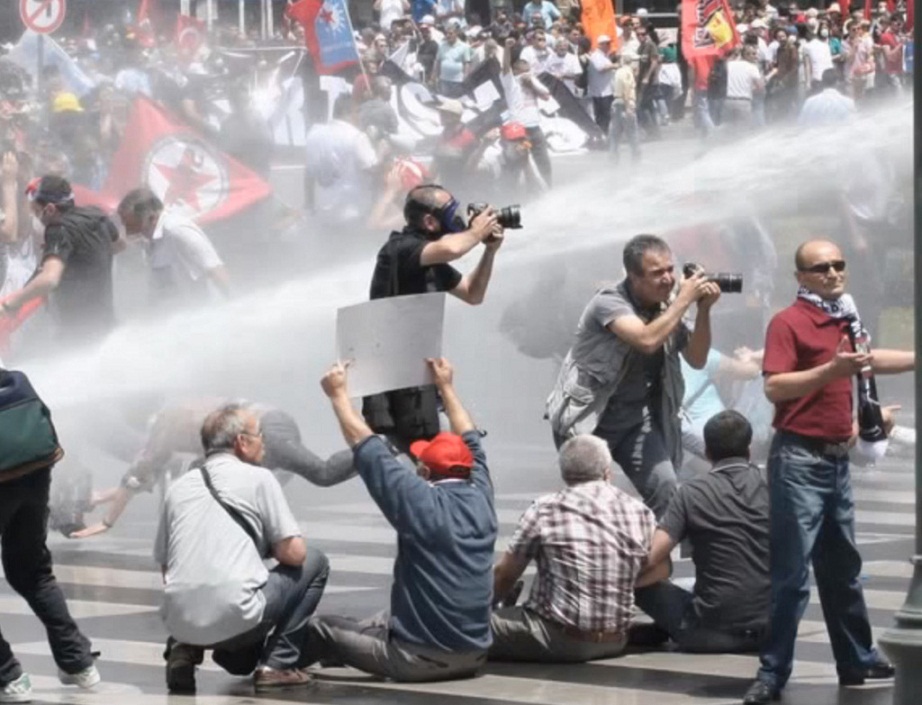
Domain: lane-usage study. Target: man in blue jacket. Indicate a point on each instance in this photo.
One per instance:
(438, 627)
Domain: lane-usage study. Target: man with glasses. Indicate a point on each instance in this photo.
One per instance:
(219, 523)
(621, 379)
(416, 260)
(808, 365)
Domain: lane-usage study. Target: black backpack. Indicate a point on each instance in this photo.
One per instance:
(28, 440)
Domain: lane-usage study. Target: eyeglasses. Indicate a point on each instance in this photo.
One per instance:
(251, 435)
(823, 267)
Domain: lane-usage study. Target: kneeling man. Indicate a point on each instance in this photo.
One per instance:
(219, 523)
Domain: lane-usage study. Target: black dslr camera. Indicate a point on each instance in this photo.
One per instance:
(729, 283)
(510, 217)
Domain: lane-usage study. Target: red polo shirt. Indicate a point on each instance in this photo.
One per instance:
(802, 337)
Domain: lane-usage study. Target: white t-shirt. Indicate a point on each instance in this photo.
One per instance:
(820, 58)
(339, 156)
(566, 65)
(179, 254)
(536, 60)
(523, 103)
(599, 79)
(742, 78)
(669, 75)
(391, 10)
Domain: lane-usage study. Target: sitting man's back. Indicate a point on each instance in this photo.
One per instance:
(590, 541)
(725, 516)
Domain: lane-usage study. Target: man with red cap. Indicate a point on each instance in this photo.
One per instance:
(438, 627)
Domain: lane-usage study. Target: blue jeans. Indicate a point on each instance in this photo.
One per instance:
(292, 594)
(813, 519)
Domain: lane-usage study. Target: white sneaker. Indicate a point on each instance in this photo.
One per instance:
(86, 678)
(19, 691)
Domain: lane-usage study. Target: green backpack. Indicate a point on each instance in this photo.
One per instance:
(28, 441)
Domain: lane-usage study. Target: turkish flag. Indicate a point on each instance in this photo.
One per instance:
(180, 166)
(190, 35)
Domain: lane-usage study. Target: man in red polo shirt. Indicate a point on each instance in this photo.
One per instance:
(809, 365)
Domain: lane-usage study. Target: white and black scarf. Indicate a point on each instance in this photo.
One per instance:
(872, 438)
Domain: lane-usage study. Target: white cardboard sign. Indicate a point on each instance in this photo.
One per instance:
(388, 341)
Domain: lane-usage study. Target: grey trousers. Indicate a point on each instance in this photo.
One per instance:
(522, 635)
(641, 453)
(368, 646)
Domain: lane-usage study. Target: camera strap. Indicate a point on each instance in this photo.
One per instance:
(233, 513)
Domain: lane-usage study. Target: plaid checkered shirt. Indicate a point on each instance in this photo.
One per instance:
(590, 542)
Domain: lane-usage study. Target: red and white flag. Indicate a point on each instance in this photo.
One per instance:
(186, 172)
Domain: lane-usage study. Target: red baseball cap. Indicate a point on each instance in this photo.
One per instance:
(443, 453)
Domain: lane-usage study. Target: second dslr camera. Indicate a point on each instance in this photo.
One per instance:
(509, 217)
(728, 282)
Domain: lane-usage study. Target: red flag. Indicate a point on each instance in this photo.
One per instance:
(190, 35)
(327, 33)
(184, 170)
(911, 15)
(708, 28)
(867, 9)
(846, 6)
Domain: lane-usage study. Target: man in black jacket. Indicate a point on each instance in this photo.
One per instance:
(416, 260)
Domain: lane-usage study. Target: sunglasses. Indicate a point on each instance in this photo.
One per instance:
(823, 267)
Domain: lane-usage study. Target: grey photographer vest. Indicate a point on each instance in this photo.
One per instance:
(593, 370)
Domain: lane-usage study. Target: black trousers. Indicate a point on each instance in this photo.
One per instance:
(539, 152)
(602, 109)
(27, 565)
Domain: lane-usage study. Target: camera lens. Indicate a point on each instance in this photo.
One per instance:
(510, 217)
(729, 283)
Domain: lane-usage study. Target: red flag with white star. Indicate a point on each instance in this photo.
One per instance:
(188, 173)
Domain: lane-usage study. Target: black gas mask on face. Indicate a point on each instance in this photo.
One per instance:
(450, 220)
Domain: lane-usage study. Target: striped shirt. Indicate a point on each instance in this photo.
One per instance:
(590, 542)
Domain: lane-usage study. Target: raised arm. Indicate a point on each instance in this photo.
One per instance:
(443, 377)
(351, 423)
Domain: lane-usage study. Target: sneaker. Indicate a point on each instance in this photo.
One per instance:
(86, 678)
(267, 678)
(18, 691)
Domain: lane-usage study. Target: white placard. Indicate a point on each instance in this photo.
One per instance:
(388, 341)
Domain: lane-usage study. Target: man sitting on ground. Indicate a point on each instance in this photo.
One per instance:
(725, 516)
(590, 541)
(439, 622)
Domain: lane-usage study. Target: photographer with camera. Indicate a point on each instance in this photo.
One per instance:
(416, 260)
(621, 379)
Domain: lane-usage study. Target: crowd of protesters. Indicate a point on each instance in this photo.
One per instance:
(792, 64)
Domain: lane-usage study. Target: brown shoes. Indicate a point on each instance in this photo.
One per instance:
(267, 678)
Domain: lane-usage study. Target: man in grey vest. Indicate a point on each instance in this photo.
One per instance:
(621, 379)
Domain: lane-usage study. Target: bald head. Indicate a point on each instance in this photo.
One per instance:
(809, 249)
(821, 269)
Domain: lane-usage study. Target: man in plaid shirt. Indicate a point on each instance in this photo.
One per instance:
(590, 541)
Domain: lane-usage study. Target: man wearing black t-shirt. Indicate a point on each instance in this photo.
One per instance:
(725, 516)
(416, 261)
(76, 267)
